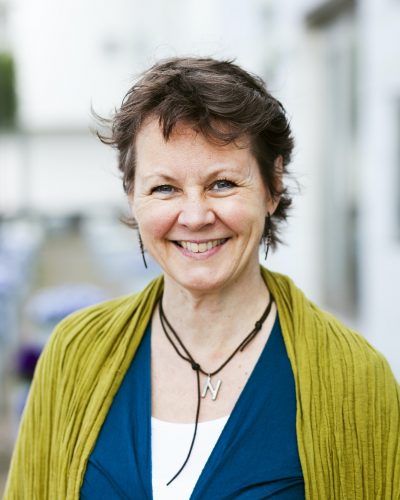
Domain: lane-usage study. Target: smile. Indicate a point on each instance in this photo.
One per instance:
(202, 247)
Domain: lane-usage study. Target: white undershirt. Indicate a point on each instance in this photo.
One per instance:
(170, 444)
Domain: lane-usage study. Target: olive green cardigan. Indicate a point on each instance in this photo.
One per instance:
(348, 402)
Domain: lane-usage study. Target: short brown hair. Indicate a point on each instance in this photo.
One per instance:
(207, 93)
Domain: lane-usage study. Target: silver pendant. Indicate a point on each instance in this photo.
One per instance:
(214, 390)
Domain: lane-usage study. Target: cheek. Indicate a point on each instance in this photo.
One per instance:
(244, 216)
(155, 222)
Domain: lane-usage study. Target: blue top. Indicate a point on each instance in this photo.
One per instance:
(256, 455)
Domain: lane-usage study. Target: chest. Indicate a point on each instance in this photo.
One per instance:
(174, 382)
(255, 454)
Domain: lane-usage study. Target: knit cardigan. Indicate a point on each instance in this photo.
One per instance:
(348, 401)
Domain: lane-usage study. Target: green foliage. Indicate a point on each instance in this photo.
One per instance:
(8, 101)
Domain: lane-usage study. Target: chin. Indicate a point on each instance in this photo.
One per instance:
(200, 281)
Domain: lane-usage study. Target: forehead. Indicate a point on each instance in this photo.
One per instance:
(185, 146)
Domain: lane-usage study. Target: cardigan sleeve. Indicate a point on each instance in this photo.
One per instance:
(386, 413)
(34, 458)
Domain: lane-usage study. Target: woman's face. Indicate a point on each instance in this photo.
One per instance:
(200, 207)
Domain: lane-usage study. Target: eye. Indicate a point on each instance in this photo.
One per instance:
(223, 185)
(163, 189)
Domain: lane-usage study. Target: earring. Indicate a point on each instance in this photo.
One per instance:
(268, 238)
(142, 250)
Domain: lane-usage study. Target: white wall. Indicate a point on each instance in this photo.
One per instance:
(379, 175)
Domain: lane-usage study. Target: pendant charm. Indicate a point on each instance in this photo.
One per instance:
(214, 390)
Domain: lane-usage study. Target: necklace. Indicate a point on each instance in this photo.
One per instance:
(182, 351)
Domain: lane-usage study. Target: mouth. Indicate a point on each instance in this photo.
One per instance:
(200, 247)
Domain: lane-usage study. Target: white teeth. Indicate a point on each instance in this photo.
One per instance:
(200, 247)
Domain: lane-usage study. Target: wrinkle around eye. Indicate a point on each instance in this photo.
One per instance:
(165, 189)
(226, 185)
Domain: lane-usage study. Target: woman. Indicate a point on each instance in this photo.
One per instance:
(220, 380)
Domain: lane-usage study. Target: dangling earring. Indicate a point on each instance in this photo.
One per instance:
(268, 238)
(142, 250)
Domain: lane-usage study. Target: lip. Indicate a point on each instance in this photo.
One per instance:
(200, 255)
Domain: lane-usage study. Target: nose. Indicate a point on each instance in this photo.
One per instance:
(196, 213)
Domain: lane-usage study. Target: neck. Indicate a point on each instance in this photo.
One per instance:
(216, 319)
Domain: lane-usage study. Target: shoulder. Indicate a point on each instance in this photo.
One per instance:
(88, 322)
(93, 332)
(345, 348)
(313, 335)
(76, 339)
(79, 322)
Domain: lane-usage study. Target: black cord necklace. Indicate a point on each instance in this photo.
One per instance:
(198, 369)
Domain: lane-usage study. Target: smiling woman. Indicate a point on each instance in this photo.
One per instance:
(221, 379)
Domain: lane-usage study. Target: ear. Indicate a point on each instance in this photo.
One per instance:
(278, 184)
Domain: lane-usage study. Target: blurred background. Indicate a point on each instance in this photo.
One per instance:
(333, 63)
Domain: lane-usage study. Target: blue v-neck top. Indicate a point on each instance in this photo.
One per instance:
(255, 457)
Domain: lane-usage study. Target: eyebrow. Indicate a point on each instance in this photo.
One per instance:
(168, 178)
(213, 173)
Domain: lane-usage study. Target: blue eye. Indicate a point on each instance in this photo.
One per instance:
(223, 184)
(163, 189)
